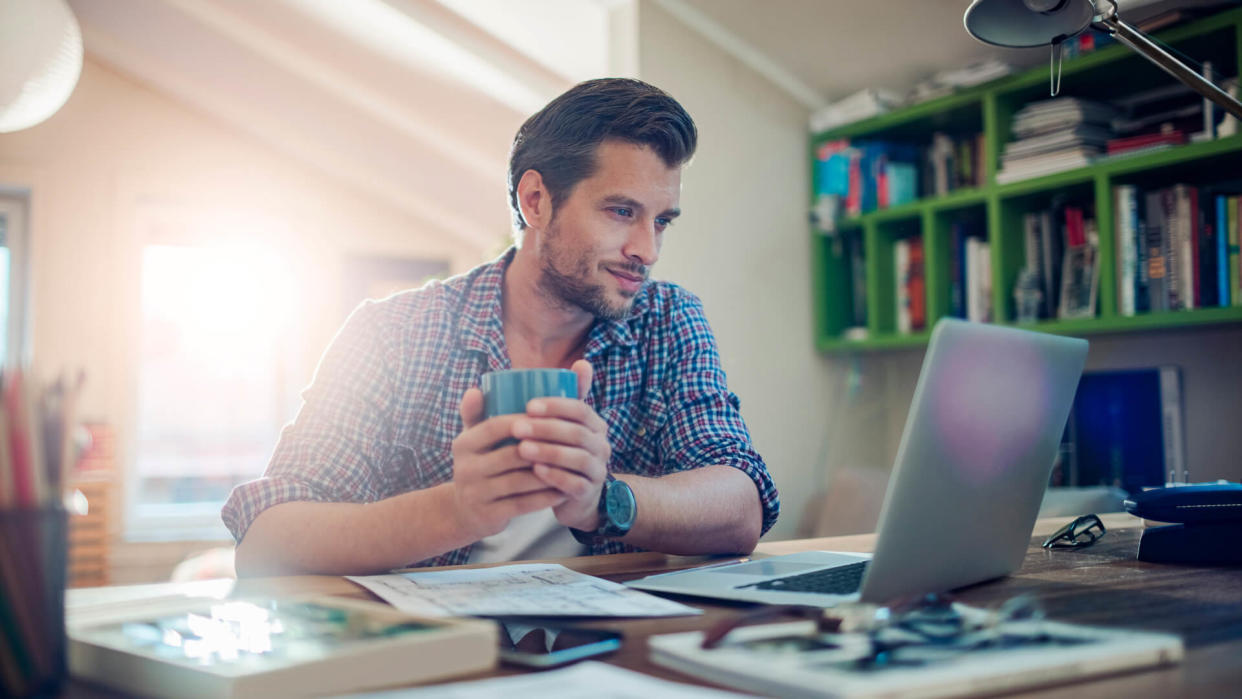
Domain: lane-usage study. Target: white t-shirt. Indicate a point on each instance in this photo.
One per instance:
(532, 535)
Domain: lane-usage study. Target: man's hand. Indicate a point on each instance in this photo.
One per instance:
(567, 441)
(493, 485)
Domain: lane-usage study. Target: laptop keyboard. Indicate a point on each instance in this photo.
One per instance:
(829, 581)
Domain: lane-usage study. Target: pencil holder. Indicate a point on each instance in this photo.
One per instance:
(32, 601)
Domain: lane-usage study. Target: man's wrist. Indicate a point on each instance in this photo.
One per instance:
(614, 514)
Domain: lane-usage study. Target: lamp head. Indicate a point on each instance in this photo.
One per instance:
(1027, 23)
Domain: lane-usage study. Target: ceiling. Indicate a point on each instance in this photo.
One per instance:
(416, 101)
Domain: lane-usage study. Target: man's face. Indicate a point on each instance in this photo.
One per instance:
(603, 239)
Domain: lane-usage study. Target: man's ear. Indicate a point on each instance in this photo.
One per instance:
(534, 200)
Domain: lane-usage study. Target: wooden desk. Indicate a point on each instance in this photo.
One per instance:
(1101, 584)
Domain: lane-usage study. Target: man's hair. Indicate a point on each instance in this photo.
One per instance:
(560, 140)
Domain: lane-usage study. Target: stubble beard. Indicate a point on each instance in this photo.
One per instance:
(564, 278)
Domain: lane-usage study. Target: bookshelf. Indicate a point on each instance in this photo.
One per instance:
(1111, 72)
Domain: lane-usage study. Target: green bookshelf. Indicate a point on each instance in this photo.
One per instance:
(1111, 72)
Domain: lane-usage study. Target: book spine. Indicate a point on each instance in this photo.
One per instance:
(917, 286)
(1207, 252)
(1050, 261)
(974, 312)
(1235, 293)
(1142, 294)
(1222, 251)
(901, 274)
(1157, 291)
(1030, 232)
(1126, 255)
(1172, 250)
(1188, 208)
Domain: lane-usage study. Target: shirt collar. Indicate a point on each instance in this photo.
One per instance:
(482, 325)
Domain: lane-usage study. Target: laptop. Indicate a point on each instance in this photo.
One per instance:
(975, 456)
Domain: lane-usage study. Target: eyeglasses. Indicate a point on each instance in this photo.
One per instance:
(1083, 531)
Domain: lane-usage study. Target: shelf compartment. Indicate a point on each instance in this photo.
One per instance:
(1009, 237)
(881, 239)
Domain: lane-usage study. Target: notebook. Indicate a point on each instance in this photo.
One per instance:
(978, 447)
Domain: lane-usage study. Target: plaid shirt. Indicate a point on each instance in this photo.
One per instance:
(380, 415)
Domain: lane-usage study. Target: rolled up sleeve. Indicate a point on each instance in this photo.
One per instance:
(706, 425)
(334, 449)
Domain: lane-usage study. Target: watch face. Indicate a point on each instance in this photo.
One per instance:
(619, 504)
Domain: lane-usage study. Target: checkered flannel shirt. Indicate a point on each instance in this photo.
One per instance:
(380, 415)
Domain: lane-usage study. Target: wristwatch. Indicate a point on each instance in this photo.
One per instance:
(617, 510)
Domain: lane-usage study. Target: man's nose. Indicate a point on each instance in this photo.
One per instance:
(643, 244)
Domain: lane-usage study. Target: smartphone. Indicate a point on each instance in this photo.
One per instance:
(551, 645)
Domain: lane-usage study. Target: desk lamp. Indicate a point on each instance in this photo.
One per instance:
(1031, 23)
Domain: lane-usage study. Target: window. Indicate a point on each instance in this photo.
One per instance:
(13, 333)
(213, 388)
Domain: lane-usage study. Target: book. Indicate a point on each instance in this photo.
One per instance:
(1155, 243)
(1129, 428)
(1235, 274)
(1172, 137)
(916, 286)
(197, 647)
(901, 277)
(1223, 291)
(978, 281)
(1126, 214)
(793, 660)
(1050, 245)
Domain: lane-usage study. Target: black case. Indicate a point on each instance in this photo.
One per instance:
(1209, 529)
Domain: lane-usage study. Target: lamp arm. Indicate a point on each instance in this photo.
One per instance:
(1137, 40)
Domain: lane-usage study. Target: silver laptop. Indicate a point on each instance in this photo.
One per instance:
(975, 456)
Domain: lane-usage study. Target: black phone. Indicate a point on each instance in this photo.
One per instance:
(549, 645)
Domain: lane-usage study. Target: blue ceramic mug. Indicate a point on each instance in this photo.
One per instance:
(506, 392)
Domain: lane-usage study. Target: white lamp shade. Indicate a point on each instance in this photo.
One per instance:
(40, 60)
(1014, 24)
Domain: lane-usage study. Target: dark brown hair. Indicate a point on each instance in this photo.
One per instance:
(560, 140)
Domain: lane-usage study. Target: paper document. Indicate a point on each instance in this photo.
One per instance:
(534, 589)
(587, 680)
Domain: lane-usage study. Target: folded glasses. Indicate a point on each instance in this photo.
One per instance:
(1083, 531)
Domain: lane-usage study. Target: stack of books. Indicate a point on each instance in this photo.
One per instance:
(1055, 135)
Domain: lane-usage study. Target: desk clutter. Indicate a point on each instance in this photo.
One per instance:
(933, 649)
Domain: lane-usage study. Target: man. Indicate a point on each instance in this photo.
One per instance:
(390, 462)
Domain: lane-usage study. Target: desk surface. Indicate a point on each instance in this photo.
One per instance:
(1102, 584)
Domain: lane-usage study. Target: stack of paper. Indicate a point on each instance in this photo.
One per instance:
(863, 104)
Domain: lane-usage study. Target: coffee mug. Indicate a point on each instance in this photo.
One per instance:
(506, 392)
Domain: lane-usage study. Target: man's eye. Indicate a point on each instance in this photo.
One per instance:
(664, 222)
(623, 211)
